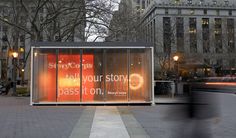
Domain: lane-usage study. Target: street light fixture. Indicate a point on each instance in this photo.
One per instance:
(15, 56)
(176, 59)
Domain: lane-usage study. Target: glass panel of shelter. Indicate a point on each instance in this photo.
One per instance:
(111, 75)
(92, 75)
(44, 75)
(68, 75)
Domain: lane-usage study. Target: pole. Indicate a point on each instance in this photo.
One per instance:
(14, 77)
(176, 77)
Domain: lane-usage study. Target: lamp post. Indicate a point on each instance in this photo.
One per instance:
(14, 55)
(176, 60)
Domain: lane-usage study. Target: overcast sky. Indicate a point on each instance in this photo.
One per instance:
(91, 38)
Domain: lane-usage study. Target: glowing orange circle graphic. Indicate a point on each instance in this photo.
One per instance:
(136, 81)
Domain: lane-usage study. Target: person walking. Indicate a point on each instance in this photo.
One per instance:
(7, 86)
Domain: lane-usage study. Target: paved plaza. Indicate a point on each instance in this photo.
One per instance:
(20, 120)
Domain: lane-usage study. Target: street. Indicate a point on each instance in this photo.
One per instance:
(20, 120)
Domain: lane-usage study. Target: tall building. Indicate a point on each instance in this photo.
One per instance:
(201, 32)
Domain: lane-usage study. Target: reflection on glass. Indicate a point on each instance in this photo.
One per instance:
(116, 75)
(140, 75)
(44, 84)
(92, 76)
(68, 75)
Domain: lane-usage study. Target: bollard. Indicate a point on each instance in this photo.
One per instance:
(172, 85)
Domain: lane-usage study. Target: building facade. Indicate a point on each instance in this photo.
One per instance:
(201, 32)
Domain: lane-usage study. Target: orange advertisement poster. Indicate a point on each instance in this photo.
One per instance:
(87, 78)
(68, 78)
(69, 82)
(72, 87)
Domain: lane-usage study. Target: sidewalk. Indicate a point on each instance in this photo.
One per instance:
(20, 120)
(171, 100)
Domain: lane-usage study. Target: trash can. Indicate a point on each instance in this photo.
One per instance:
(172, 85)
(164, 87)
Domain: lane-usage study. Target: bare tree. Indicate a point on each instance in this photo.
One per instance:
(163, 57)
(55, 20)
(124, 24)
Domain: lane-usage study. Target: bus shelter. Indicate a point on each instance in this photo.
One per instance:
(91, 73)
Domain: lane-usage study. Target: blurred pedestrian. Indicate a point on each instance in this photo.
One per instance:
(203, 107)
(7, 86)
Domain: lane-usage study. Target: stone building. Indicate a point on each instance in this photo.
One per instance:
(201, 32)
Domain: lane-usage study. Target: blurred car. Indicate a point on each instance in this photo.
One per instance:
(215, 84)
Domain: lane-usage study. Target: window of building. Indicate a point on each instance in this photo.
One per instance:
(218, 35)
(154, 32)
(226, 2)
(192, 11)
(177, 1)
(230, 33)
(180, 33)
(205, 21)
(193, 35)
(148, 32)
(232, 63)
(151, 31)
(179, 11)
(190, 2)
(137, 7)
(217, 12)
(230, 12)
(167, 34)
(166, 11)
(214, 2)
(201, 2)
(205, 11)
(206, 35)
(143, 4)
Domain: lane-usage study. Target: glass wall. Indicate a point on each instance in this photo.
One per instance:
(140, 75)
(68, 89)
(116, 72)
(92, 75)
(44, 75)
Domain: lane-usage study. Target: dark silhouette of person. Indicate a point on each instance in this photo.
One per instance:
(8, 86)
(195, 118)
(202, 107)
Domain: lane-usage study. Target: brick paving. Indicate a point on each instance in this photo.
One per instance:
(20, 120)
(170, 121)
